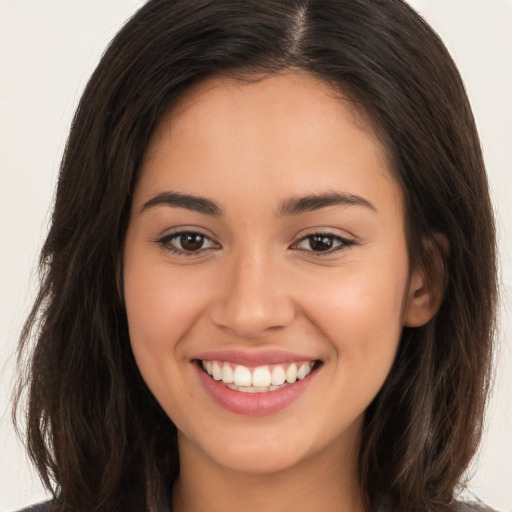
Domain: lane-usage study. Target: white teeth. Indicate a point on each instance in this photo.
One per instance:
(291, 373)
(253, 389)
(261, 377)
(227, 374)
(303, 370)
(278, 375)
(242, 376)
(216, 371)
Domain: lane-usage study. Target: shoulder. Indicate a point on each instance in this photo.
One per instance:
(40, 507)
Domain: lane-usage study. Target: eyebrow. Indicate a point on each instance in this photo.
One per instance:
(293, 206)
(311, 203)
(189, 202)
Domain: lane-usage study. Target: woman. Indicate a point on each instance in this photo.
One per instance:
(270, 276)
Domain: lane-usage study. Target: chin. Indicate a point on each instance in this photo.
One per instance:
(257, 459)
(269, 448)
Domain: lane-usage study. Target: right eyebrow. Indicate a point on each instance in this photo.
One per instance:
(189, 202)
(298, 205)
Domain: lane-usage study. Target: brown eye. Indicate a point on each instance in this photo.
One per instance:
(323, 243)
(191, 241)
(186, 242)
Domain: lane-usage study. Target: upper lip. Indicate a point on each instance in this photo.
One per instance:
(253, 357)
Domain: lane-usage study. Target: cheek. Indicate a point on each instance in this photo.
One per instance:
(360, 312)
(162, 309)
(360, 317)
(161, 305)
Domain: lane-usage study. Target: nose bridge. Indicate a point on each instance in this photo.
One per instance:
(254, 296)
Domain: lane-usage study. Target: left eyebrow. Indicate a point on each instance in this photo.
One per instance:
(311, 203)
(186, 201)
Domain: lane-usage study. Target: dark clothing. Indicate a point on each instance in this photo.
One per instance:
(459, 507)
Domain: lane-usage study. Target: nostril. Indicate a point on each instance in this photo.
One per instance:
(250, 317)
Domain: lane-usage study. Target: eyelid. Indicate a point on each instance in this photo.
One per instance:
(344, 242)
(341, 242)
(165, 241)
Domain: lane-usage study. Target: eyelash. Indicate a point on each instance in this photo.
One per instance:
(342, 243)
(166, 242)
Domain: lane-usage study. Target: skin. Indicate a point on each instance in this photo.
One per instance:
(256, 284)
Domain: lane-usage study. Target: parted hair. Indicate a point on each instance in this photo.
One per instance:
(99, 439)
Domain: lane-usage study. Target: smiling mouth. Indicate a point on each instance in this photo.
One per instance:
(259, 379)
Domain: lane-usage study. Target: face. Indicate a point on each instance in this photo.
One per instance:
(266, 273)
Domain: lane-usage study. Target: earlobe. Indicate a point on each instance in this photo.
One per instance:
(427, 282)
(421, 304)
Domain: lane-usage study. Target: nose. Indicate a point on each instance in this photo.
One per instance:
(254, 297)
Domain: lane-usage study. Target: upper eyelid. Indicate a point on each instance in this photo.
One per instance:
(348, 240)
(322, 231)
(327, 234)
(165, 242)
(177, 234)
(180, 231)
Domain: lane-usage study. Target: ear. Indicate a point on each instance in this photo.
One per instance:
(427, 282)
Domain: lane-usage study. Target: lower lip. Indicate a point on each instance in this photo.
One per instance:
(253, 404)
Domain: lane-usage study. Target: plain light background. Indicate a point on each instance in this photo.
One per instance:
(48, 49)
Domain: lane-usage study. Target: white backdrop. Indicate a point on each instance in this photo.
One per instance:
(48, 49)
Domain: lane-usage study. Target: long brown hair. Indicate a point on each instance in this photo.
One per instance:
(96, 434)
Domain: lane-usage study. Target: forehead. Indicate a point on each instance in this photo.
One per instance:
(291, 134)
(285, 95)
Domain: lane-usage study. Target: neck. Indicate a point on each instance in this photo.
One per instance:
(323, 482)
